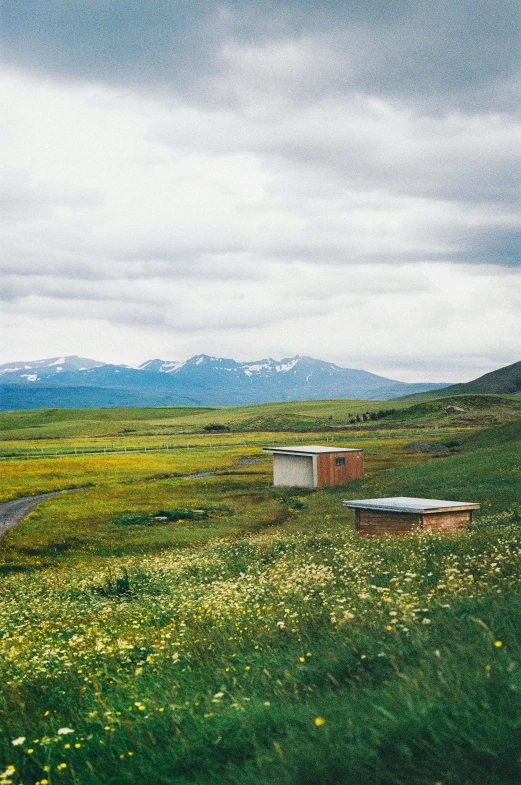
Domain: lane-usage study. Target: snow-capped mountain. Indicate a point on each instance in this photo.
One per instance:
(202, 380)
(38, 370)
(162, 366)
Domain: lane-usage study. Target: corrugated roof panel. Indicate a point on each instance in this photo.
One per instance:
(310, 450)
(409, 504)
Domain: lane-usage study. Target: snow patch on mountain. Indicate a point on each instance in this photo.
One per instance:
(285, 367)
(251, 367)
(171, 366)
(161, 366)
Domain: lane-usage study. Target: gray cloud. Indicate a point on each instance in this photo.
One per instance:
(337, 179)
(440, 51)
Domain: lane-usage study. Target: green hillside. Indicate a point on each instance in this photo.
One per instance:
(504, 381)
(301, 417)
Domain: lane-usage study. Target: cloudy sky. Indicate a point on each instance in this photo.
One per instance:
(249, 178)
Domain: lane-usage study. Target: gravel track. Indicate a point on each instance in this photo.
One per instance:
(11, 513)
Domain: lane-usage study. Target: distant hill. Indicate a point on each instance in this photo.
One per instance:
(20, 397)
(76, 382)
(504, 381)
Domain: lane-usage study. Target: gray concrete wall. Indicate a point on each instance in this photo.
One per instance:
(293, 470)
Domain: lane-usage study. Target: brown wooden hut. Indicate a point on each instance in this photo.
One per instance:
(313, 467)
(401, 514)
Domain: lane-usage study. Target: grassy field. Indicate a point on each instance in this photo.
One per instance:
(161, 627)
(121, 425)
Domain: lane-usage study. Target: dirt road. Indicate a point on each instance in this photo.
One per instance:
(11, 513)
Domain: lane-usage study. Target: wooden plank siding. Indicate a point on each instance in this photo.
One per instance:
(374, 523)
(444, 521)
(328, 473)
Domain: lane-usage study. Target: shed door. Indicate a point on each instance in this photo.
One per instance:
(293, 470)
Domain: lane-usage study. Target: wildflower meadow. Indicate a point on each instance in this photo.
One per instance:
(173, 618)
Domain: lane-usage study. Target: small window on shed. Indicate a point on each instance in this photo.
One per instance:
(340, 461)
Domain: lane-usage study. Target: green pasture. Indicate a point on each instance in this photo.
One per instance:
(160, 627)
(303, 416)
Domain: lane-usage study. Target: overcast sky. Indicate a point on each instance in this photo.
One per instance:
(252, 179)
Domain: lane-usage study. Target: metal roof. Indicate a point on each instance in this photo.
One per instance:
(410, 504)
(309, 450)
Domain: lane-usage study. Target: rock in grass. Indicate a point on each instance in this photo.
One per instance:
(425, 447)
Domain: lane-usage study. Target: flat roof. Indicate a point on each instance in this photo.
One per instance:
(309, 450)
(410, 504)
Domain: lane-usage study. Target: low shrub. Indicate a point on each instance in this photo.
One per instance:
(115, 585)
(135, 520)
(178, 514)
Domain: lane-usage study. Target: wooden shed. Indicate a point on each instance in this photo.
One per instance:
(313, 467)
(402, 514)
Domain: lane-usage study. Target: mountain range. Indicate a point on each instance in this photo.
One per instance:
(77, 382)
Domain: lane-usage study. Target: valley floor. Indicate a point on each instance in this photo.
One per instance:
(160, 627)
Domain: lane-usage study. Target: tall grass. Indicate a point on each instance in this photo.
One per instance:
(313, 657)
(268, 643)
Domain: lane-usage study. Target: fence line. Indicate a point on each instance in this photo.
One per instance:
(127, 451)
(77, 452)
